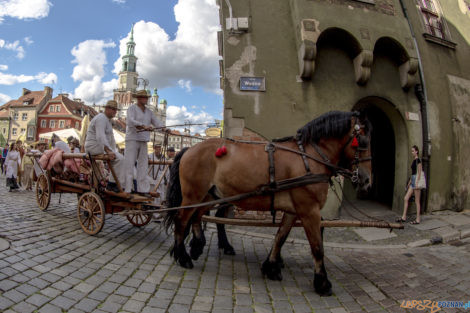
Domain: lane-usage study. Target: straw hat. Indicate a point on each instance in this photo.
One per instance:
(112, 104)
(141, 94)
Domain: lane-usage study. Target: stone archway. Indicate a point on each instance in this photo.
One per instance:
(389, 144)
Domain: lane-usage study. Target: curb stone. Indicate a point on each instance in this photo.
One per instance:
(4, 244)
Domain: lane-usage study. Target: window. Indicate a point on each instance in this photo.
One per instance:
(51, 108)
(13, 131)
(4, 130)
(25, 102)
(57, 108)
(15, 116)
(61, 124)
(77, 125)
(432, 18)
(30, 132)
(22, 131)
(24, 116)
(51, 124)
(43, 124)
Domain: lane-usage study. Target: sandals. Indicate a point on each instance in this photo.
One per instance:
(415, 222)
(400, 220)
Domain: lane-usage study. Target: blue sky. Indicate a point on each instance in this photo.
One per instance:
(75, 46)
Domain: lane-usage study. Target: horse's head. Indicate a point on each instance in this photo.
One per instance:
(357, 154)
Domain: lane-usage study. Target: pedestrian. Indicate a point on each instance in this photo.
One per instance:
(139, 121)
(74, 144)
(19, 147)
(171, 153)
(27, 167)
(37, 171)
(155, 172)
(415, 184)
(3, 157)
(12, 162)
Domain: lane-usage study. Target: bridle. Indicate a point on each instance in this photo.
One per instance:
(359, 143)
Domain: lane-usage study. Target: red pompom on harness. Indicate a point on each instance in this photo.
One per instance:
(354, 143)
(221, 152)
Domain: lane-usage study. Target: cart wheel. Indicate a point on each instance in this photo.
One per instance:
(90, 213)
(43, 191)
(139, 219)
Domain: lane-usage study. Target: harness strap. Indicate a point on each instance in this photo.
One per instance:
(272, 176)
(301, 149)
(318, 150)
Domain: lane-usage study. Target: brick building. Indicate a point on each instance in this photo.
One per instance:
(62, 112)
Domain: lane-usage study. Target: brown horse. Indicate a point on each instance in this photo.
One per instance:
(333, 141)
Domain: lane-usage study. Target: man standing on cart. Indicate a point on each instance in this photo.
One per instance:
(100, 140)
(140, 121)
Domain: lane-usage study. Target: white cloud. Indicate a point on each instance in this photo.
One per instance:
(46, 78)
(119, 1)
(191, 57)
(185, 84)
(3, 67)
(4, 98)
(13, 46)
(179, 115)
(28, 40)
(90, 58)
(43, 78)
(24, 9)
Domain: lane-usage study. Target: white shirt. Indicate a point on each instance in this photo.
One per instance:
(99, 135)
(137, 117)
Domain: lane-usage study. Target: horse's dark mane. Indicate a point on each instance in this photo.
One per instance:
(334, 124)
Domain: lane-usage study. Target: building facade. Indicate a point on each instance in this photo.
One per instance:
(402, 61)
(23, 111)
(61, 113)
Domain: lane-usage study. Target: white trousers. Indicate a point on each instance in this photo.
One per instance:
(137, 151)
(118, 164)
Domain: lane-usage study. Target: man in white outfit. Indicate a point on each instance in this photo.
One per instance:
(100, 140)
(139, 122)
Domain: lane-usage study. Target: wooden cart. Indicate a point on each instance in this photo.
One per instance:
(94, 201)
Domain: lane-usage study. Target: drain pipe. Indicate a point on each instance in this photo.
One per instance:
(230, 13)
(421, 94)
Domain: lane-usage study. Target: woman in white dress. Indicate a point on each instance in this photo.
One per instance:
(12, 161)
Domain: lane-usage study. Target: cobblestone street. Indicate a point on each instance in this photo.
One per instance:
(53, 266)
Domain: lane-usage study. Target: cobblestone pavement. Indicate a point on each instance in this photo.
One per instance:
(52, 266)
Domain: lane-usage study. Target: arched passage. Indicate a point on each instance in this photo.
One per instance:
(388, 143)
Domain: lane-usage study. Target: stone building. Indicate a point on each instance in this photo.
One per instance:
(405, 62)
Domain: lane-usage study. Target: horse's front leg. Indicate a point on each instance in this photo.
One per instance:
(221, 234)
(182, 227)
(311, 221)
(273, 264)
(199, 240)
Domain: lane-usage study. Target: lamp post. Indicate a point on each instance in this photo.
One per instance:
(9, 124)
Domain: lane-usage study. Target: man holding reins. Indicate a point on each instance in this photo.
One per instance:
(140, 121)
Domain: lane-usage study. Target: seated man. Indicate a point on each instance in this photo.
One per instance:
(100, 140)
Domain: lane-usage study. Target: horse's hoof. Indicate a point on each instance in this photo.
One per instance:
(280, 261)
(229, 250)
(195, 253)
(322, 286)
(186, 263)
(271, 270)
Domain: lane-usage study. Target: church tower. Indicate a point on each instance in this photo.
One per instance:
(127, 83)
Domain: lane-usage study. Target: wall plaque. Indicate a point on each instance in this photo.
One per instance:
(252, 84)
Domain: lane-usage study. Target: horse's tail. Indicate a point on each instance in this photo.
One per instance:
(174, 196)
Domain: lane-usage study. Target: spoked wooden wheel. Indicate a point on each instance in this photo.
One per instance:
(91, 213)
(43, 191)
(139, 219)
